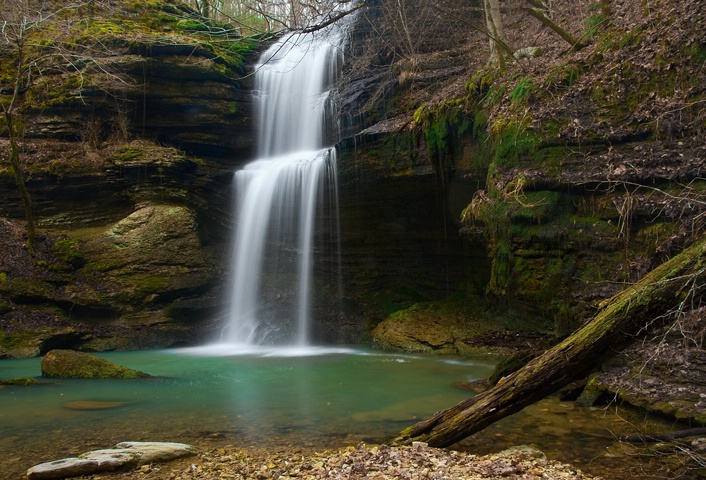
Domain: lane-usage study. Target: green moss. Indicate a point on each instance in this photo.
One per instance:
(127, 153)
(137, 287)
(565, 75)
(536, 207)
(27, 288)
(19, 381)
(67, 255)
(105, 264)
(501, 268)
(71, 364)
(17, 341)
(653, 235)
(444, 125)
(697, 53)
(513, 142)
(390, 155)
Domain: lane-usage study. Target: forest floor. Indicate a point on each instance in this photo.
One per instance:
(418, 462)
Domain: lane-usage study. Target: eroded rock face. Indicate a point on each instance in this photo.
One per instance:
(130, 285)
(180, 100)
(151, 255)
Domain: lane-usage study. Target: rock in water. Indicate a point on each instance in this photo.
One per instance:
(124, 455)
(72, 364)
(92, 405)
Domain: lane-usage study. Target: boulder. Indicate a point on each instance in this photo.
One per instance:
(72, 364)
(18, 381)
(124, 455)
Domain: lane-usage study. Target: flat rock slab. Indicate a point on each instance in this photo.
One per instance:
(124, 455)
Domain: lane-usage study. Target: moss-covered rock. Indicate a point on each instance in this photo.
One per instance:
(151, 257)
(19, 381)
(72, 364)
(458, 327)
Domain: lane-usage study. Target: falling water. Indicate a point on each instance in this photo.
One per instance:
(277, 196)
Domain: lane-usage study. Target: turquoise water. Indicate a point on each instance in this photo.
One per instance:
(313, 397)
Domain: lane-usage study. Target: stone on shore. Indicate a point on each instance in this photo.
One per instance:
(73, 364)
(125, 455)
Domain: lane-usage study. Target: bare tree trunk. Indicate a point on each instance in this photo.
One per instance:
(19, 180)
(496, 34)
(9, 112)
(647, 304)
(295, 14)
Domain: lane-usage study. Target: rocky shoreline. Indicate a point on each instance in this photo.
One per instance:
(363, 461)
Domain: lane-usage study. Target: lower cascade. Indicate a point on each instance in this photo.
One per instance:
(277, 196)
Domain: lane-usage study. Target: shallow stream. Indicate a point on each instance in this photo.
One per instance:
(317, 398)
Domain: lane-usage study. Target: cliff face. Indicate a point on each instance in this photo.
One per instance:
(589, 160)
(131, 186)
(539, 189)
(129, 168)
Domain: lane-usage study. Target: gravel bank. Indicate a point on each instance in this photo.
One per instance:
(417, 462)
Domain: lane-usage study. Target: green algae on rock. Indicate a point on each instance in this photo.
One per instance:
(18, 381)
(72, 364)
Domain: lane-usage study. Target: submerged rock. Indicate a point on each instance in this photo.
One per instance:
(124, 455)
(92, 405)
(72, 364)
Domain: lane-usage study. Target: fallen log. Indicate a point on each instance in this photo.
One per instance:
(644, 305)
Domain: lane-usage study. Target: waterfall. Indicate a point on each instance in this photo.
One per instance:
(278, 195)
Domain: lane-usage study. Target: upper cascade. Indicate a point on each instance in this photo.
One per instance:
(278, 195)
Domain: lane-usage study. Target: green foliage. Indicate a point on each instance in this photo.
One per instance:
(522, 91)
(494, 95)
(598, 18)
(443, 125)
(592, 23)
(513, 143)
